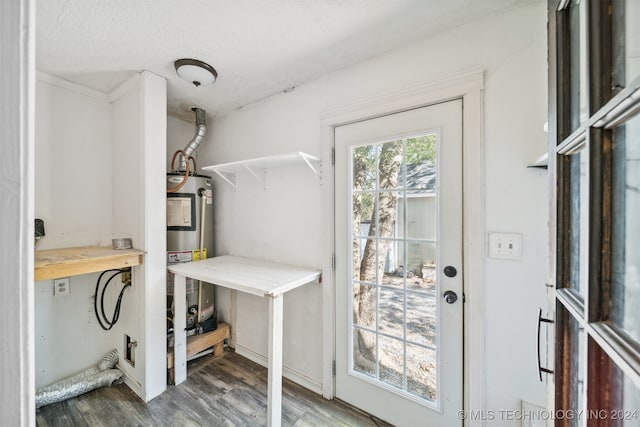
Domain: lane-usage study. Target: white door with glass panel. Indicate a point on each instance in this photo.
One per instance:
(399, 265)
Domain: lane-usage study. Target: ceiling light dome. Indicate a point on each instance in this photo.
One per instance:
(195, 71)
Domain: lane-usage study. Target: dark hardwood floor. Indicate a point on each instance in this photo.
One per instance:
(227, 391)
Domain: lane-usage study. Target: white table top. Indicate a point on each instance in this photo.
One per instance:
(248, 275)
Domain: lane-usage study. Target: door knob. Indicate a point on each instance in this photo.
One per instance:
(450, 297)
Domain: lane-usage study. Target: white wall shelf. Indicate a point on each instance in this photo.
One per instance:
(541, 163)
(228, 171)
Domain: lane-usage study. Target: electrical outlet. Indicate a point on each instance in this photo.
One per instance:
(61, 287)
(505, 245)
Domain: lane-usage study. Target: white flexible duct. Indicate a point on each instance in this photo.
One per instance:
(99, 376)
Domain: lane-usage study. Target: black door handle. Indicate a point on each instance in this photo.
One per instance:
(540, 368)
(450, 297)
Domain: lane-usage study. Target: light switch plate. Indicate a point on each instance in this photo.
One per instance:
(505, 245)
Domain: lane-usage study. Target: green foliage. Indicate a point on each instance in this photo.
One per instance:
(421, 149)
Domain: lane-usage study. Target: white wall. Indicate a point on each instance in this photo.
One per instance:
(139, 208)
(285, 222)
(99, 175)
(179, 133)
(73, 197)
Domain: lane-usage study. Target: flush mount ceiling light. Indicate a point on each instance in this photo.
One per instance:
(195, 71)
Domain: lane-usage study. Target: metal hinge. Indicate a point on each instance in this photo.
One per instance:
(333, 156)
(333, 262)
(333, 368)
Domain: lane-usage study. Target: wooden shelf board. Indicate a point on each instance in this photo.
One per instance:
(199, 343)
(65, 262)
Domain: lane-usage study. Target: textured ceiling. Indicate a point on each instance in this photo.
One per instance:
(258, 47)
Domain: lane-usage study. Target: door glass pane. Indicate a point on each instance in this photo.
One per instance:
(422, 362)
(364, 271)
(421, 164)
(391, 361)
(394, 262)
(421, 265)
(364, 207)
(420, 218)
(570, 358)
(364, 351)
(364, 296)
(576, 63)
(365, 159)
(391, 311)
(615, 399)
(632, 40)
(625, 257)
(578, 220)
(394, 280)
(421, 324)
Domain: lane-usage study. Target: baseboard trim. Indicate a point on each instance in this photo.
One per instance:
(291, 374)
(133, 384)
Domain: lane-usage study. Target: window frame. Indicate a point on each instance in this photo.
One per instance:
(609, 105)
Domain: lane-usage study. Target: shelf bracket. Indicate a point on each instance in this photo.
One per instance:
(252, 172)
(228, 181)
(313, 169)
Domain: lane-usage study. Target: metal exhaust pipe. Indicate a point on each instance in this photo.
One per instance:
(192, 146)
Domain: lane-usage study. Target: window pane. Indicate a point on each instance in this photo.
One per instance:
(632, 40)
(421, 372)
(421, 216)
(614, 398)
(363, 213)
(625, 274)
(421, 164)
(578, 220)
(421, 318)
(576, 65)
(364, 297)
(364, 352)
(364, 267)
(394, 271)
(626, 43)
(365, 159)
(391, 312)
(570, 358)
(391, 361)
(390, 165)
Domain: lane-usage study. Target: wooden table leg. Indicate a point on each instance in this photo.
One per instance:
(179, 326)
(274, 385)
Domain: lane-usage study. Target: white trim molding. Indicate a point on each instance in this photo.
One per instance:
(17, 129)
(469, 86)
(70, 86)
(289, 373)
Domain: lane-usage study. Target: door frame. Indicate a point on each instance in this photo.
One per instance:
(469, 86)
(17, 129)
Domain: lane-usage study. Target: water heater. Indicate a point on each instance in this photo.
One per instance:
(185, 211)
(190, 227)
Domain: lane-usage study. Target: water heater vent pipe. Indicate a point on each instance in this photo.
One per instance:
(192, 146)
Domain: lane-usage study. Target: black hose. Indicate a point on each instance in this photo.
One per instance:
(116, 311)
(104, 290)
